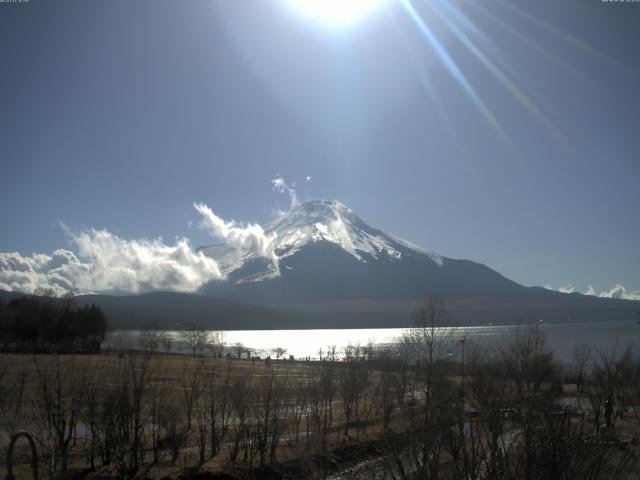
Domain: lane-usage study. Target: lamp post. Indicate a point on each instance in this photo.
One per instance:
(462, 342)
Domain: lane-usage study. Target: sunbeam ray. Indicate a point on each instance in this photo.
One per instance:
(454, 70)
(527, 104)
(428, 86)
(560, 63)
(568, 39)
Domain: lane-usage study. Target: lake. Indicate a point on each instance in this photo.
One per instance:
(562, 338)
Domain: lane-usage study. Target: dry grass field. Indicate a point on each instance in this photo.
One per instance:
(184, 409)
(503, 415)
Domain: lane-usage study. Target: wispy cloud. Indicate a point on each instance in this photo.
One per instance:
(591, 291)
(281, 186)
(238, 235)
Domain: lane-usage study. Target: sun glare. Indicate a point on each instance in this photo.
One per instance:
(336, 11)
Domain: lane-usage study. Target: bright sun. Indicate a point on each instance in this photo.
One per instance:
(336, 11)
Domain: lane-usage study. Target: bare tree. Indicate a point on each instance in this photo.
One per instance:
(581, 359)
(240, 404)
(92, 390)
(299, 409)
(150, 340)
(190, 385)
(158, 392)
(268, 415)
(196, 338)
(352, 384)
(388, 392)
(430, 339)
(57, 406)
(216, 344)
(279, 352)
(170, 420)
(166, 341)
(216, 400)
(12, 390)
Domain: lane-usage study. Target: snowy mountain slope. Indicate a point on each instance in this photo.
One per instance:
(334, 222)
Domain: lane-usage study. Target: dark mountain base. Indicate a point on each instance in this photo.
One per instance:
(173, 311)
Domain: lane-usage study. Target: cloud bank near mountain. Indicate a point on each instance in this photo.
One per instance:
(617, 291)
(100, 261)
(105, 263)
(236, 234)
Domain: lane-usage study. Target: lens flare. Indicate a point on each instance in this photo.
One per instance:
(336, 11)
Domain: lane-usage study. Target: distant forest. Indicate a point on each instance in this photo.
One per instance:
(39, 325)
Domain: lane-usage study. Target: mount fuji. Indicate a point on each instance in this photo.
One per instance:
(325, 259)
(322, 266)
(322, 250)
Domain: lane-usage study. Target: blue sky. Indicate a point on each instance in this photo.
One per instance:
(512, 139)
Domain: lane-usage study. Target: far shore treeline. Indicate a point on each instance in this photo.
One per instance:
(48, 325)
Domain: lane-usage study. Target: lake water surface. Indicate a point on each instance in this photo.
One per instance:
(562, 338)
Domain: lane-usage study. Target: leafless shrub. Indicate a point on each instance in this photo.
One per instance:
(352, 381)
(299, 408)
(56, 406)
(172, 426)
(12, 391)
(240, 405)
(91, 391)
(196, 338)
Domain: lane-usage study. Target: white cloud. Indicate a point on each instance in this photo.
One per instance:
(106, 263)
(618, 291)
(568, 289)
(281, 186)
(26, 273)
(239, 236)
(102, 262)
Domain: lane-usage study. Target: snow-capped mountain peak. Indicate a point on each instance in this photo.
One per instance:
(317, 221)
